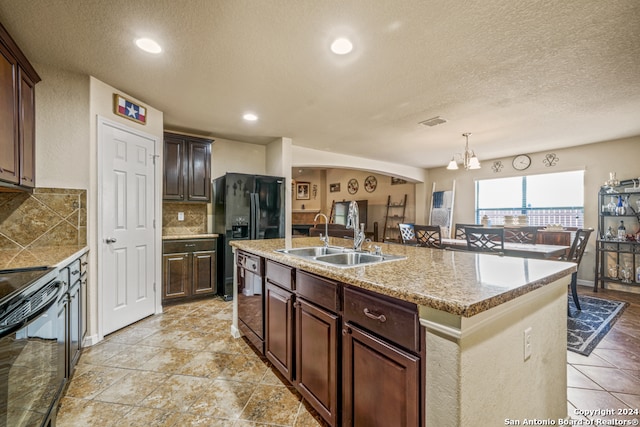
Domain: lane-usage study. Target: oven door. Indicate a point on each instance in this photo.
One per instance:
(31, 365)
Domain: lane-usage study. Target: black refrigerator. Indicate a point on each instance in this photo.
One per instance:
(245, 207)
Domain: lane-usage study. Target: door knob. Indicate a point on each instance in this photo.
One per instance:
(110, 240)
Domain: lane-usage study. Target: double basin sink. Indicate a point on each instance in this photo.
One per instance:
(339, 257)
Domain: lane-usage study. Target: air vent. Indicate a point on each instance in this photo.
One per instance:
(434, 121)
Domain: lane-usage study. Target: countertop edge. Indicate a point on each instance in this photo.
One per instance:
(347, 276)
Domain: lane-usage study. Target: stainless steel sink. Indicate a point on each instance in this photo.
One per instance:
(312, 251)
(338, 257)
(350, 258)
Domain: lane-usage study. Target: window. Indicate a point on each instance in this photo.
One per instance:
(555, 198)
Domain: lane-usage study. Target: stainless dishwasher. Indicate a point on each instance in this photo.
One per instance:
(251, 298)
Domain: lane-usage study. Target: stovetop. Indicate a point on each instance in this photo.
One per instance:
(14, 281)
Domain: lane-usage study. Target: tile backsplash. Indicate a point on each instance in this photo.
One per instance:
(45, 218)
(195, 218)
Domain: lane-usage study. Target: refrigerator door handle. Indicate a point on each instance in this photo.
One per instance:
(254, 217)
(256, 208)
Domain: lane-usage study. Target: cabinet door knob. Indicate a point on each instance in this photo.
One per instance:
(346, 331)
(379, 317)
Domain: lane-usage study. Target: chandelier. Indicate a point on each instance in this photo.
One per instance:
(469, 159)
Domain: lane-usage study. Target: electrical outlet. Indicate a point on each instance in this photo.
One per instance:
(180, 216)
(527, 343)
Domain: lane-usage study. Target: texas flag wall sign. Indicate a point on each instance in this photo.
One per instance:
(125, 108)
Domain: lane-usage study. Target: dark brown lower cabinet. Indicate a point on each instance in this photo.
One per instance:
(317, 358)
(189, 268)
(279, 328)
(380, 382)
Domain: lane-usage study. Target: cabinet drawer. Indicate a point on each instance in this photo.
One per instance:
(387, 317)
(178, 246)
(250, 262)
(318, 290)
(74, 272)
(279, 274)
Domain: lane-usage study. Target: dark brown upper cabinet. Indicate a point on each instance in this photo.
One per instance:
(17, 116)
(187, 168)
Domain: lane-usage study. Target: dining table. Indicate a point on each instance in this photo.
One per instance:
(523, 250)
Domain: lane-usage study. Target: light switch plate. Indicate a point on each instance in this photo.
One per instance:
(180, 216)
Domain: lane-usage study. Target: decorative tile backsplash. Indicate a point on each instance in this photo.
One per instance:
(48, 217)
(195, 218)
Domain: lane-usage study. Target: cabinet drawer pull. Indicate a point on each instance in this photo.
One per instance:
(190, 245)
(381, 317)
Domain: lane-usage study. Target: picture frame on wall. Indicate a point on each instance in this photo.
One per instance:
(334, 188)
(302, 191)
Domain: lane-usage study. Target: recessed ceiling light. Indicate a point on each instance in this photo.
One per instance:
(148, 45)
(250, 117)
(341, 46)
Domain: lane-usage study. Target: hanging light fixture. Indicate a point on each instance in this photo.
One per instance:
(469, 159)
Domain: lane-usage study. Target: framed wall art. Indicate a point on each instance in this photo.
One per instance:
(129, 110)
(302, 191)
(334, 188)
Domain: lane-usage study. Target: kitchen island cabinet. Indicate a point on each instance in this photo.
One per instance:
(278, 341)
(467, 356)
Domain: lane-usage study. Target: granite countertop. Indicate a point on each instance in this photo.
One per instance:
(458, 282)
(52, 256)
(190, 236)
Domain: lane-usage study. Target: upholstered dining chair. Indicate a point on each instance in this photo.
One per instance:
(575, 255)
(428, 236)
(520, 234)
(485, 239)
(407, 234)
(459, 230)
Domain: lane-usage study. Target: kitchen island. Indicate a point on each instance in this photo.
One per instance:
(492, 329)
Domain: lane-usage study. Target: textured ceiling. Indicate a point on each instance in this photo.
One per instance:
(520, 76)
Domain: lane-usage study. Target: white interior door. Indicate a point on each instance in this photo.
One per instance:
(127, 243)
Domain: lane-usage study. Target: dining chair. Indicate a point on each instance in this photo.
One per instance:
(521, 234)
(428, 236)
(459, 230)
(407, 234)
(485, 239)
(575, 255)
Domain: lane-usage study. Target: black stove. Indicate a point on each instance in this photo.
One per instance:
(14, 283)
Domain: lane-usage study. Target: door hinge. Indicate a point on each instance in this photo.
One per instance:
(154, 223)
(154, 286)
(153, 158)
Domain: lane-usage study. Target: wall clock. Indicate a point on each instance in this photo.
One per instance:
(521, 162)
(370, 184)
(352, 186)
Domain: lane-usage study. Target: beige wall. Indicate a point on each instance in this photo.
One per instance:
(235, 156)
(597, 160)
(62, 129)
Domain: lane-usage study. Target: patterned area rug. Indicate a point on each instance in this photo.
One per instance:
(587, 327)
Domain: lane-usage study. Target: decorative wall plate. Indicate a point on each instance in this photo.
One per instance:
(370, 184)
(352, 186)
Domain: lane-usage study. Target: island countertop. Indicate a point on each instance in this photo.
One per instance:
(457, 282)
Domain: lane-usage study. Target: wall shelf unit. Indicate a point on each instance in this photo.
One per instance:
(395, 215)
(618, 259)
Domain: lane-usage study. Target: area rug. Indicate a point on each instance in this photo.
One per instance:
(586, 328)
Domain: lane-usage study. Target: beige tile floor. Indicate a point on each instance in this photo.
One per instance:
(182, 368)
(179, 368)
